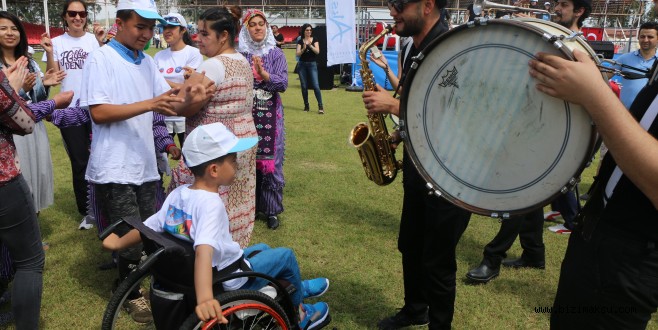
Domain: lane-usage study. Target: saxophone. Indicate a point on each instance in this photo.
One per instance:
(371, 139)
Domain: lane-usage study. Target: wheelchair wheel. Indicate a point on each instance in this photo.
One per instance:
(115, 317)
(245, 309)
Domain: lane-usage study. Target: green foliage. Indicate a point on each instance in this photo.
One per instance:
(340, 225)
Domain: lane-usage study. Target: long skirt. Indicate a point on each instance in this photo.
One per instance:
(36, 165)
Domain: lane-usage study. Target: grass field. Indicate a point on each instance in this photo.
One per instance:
(340, 225)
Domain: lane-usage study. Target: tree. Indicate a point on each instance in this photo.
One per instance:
(32, 12)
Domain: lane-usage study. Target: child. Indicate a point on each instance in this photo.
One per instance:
(196, 213)
(123, 88)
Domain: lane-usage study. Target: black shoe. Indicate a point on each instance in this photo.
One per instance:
(107, 266)
(522, 263)
(482, 273)
(306, 107)
(321, 110)
(273, 222)
(402, 319)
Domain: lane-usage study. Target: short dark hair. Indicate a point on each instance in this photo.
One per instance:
(66, 8)
(200, 170)
(125, 14)
(648, 26)
(585, 4)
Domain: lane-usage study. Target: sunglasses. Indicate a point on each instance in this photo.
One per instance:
(172, 20)
(73, 13)
(399, 4)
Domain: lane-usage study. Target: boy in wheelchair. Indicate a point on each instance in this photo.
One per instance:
(195, 213)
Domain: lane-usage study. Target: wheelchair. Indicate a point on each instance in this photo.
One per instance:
(169, 261)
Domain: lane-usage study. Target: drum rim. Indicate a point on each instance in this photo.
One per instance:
(594, 140)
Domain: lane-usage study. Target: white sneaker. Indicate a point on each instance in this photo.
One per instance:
(551, 216)
(87, 222)
(560, 229)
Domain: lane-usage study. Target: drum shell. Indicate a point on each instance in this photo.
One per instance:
(477, 129)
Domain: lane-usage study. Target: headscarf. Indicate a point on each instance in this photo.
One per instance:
(246, 44)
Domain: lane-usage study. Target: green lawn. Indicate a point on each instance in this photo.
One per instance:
(340, 225)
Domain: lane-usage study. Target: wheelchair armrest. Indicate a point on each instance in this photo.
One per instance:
(110, 229)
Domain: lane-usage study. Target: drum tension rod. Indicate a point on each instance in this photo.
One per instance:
(553, 38)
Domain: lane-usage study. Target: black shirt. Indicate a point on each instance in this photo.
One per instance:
(278, 38)
(628, 209)
(307, 55)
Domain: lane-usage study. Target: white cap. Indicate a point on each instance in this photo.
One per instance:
(175, 19)
(144, 8)
(547, 3)
(208, 142)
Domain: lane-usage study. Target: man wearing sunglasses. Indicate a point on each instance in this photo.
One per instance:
(430, 226)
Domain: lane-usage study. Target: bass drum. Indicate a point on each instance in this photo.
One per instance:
(478, 130)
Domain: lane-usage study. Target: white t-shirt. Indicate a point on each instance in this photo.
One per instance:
(214, 68)
(71, 54)
(121, 152)
(171, 63)
(200, 217)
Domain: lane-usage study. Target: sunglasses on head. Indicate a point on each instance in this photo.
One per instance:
(172, 20)
(399, 4)
(73, 13)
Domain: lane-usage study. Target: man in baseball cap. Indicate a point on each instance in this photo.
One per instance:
(143, 8)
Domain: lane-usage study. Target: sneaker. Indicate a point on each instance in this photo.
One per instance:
(321, 110)
(87, 222)
(306, 107)
(560, 229)
(551, 216)
(315, 287)
(402, 320)
(316, 316)
(139, 310)
(273, 222)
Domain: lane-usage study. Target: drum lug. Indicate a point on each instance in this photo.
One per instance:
(500, 216)
(570, 185)
(432, 191)
(403, 134)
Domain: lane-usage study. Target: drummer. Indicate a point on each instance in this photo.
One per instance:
(430, 226)
(608, 276)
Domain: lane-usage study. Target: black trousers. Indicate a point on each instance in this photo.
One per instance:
(76, 142)
(529, 228)
(608, 282)
(430, 229)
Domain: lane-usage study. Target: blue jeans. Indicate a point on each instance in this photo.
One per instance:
(279, 263)
(308, 74)
(19, 231)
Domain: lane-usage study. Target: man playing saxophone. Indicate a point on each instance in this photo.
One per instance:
(430, 226)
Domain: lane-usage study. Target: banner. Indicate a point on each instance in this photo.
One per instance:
(341, 36)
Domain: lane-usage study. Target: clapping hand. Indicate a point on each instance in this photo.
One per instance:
(29, 82)
(174, 152)
(17, 73)
(258, 64)
(53, 77)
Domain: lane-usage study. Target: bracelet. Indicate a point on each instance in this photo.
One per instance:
(386, 69)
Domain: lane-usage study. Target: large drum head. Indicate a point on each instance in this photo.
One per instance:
(479, 131)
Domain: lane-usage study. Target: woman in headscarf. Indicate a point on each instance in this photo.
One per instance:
(268, 63)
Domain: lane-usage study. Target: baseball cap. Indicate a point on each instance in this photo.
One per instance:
(208, 142)
(547, 3)
(175, 19)
(144, 8)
